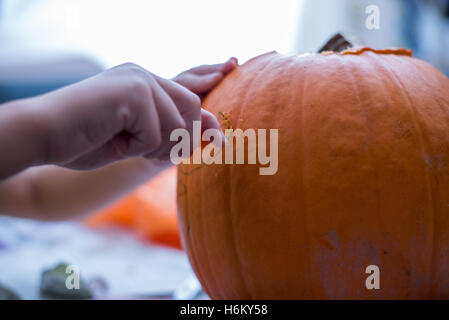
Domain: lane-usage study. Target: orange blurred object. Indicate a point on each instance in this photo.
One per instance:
(150, 211)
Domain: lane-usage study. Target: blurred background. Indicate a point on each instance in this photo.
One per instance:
(46, 44)
(73, 39)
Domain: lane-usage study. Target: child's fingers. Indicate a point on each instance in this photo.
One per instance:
(189, 106)
(170, 119)
(205, 69)
(224, 67)
(208, 121)
(187, 102)
(141, 132)
(208, 82)
(200, 84)
(169, 115)
(203, 79)
(230, 65)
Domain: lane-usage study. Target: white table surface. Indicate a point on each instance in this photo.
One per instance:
(130, 268)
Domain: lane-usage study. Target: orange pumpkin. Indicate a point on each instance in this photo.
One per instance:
(150, 211)
(363, 180)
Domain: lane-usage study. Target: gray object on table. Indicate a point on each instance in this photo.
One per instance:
(131, 269)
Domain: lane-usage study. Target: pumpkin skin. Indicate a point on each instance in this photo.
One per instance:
(363, 180)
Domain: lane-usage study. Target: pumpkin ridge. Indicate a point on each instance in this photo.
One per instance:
(424, 76)
(425, 147)
(370, 132)
(302, 184)
(230, 170)
(438, 185)
(187, 219)
(424, 151)
(201, 223)
(369, 136)
(251, 82)
(227, 124)
(431, 81)
(374, 158)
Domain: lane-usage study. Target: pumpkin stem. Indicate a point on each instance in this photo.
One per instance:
(340, 42)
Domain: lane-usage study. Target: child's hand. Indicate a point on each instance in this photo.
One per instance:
(121, 113)
(202, 79)
(124, 112)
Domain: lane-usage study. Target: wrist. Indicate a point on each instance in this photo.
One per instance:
(38, 126)
(22, 137)
(31, 130)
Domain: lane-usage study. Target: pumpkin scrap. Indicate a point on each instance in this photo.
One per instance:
(150, 211)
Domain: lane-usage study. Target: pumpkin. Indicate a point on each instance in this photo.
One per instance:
(363, 180)
(150, 211)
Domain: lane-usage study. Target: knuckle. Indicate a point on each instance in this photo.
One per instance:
(138, 86)
(196, 101)
(181, 124)
(126, 68)
(129, 66)
(195, 107)
(135, 82)
(169, 126)
(193, 101)
(135, 73)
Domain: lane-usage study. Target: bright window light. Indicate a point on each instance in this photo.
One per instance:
(163, 36)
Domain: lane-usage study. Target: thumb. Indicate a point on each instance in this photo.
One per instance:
(200, 84)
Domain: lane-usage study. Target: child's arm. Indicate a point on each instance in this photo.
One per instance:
(54, 193)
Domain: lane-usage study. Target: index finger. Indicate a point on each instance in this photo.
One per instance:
(223, 68)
